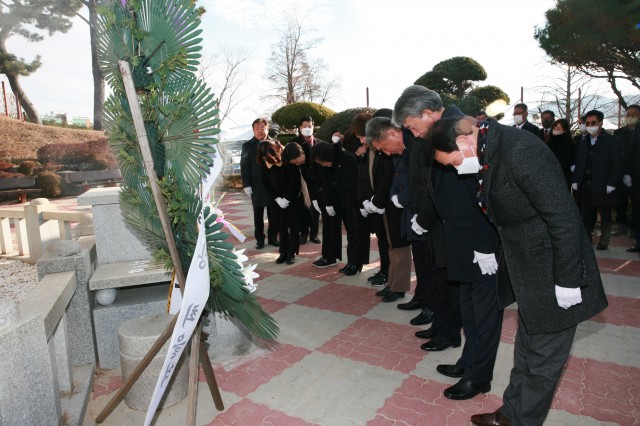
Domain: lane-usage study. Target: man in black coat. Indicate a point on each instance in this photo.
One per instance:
(520, 114)
(251, 172)
(546, 264)
(631, 179)
(471, 243)
(598, 170)
(625, 133)
(309, 222)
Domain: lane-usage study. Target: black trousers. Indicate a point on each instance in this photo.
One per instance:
(538, 363)
(272, 219)
(289, 231)
(482, 324)
(589, 214)
(444, 301)
(331, 236)
(383, 249)
(358, 240)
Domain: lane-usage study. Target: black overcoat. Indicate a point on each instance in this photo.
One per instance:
(606, 167)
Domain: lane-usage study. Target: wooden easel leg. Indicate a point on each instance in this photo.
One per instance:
(126, 386)
(211, 378)
(194, 364)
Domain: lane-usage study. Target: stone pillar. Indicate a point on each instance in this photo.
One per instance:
(136, 338)
(39, 234)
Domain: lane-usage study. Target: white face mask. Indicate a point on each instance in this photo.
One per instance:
(469, 165)
(557, 132)
(593, 130)
(307, 131)
(518, 119)
(631, 121)
(335, 139)
(582, 127)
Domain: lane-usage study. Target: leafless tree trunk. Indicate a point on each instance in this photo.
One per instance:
(16, 88)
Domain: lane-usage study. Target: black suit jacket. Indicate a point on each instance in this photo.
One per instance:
(251, 173)
(544, 242)
(466, 228)
(606, 167)
(530, 127)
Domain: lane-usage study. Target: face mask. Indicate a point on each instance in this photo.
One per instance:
(631, 121)
(593, 130)
(557, 132)
(518, 119)
(469, 165)
(547, 123)
(307, 131)
(335, 139)
(582, 127)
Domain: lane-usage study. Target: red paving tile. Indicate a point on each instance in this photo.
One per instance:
(379, 343)
(420, 402)
(341, 298)
(247, 412)
(247, 377)
(623, 311)
(271, 306)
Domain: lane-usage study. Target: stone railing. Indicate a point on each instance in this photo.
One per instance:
(26, 229)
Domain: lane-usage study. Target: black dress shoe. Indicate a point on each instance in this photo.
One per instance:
(274, 243)
(450, 370)
(411, 305)
(383, 292)
(344, 268)
(291, 259)
(281, 259)
(634, 249)
(423, 318)
(380, 280)
(259, 245)
(392, 296)
(303, 239)
(436, 345)
(425, 334)
(353, 269)
(490, 419)
(374, 276)
(601, 246)
(465, 390)
(315, 240)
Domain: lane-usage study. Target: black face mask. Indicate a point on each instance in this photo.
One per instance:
(547, 123)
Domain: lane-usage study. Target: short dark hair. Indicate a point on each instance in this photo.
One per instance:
(442, 135)
(521, 106)
(290, 152)
(634, 106)
(359, 123)
(323, 151)
(259, 121)
(383, 112)
(594, 112)
(377, 129)
(548, 111)
(351, 142)
(305, 118)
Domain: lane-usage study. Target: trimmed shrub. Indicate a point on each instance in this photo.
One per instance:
(29, 167)
(49, 184)
(285, 137)
(9, 175)
(4, 165)
(288, 116)
(340, 121)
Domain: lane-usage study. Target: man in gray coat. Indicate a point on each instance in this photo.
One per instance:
(546, 264)
(250, 171)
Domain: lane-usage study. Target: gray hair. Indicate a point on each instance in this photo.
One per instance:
(377, 129)
(413, 101)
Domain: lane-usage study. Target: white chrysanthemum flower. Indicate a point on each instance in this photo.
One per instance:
(241, 257)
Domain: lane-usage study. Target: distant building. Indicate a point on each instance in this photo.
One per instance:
(56, 117)
(81, 121)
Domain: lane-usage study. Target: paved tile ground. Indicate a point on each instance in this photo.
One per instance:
(344, 358)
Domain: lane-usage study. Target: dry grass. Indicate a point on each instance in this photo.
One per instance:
(20, 141)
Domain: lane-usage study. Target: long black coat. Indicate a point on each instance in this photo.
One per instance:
(251, 173)
(544, 242)
(565, 152)
(420, 172)
(606, 167)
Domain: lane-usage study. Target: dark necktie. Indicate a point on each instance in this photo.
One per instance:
(546, 135)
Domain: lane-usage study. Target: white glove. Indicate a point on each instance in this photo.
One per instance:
(487, 262)
(330, 211)
(316, 206)
(367, 206)
(572, 168)
(247, 190)
(372, 208)
(567, 297)
(610, 189)
(282, 202)
(394, 200)
(417, 228)
(626, 179)
(574, 186)
(364, 212)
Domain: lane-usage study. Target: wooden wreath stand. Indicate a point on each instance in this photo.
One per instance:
(199, 353)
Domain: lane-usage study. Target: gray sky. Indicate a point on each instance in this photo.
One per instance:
(383, 45)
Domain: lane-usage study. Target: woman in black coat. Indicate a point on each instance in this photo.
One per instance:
(561, 144)
(354, 165)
